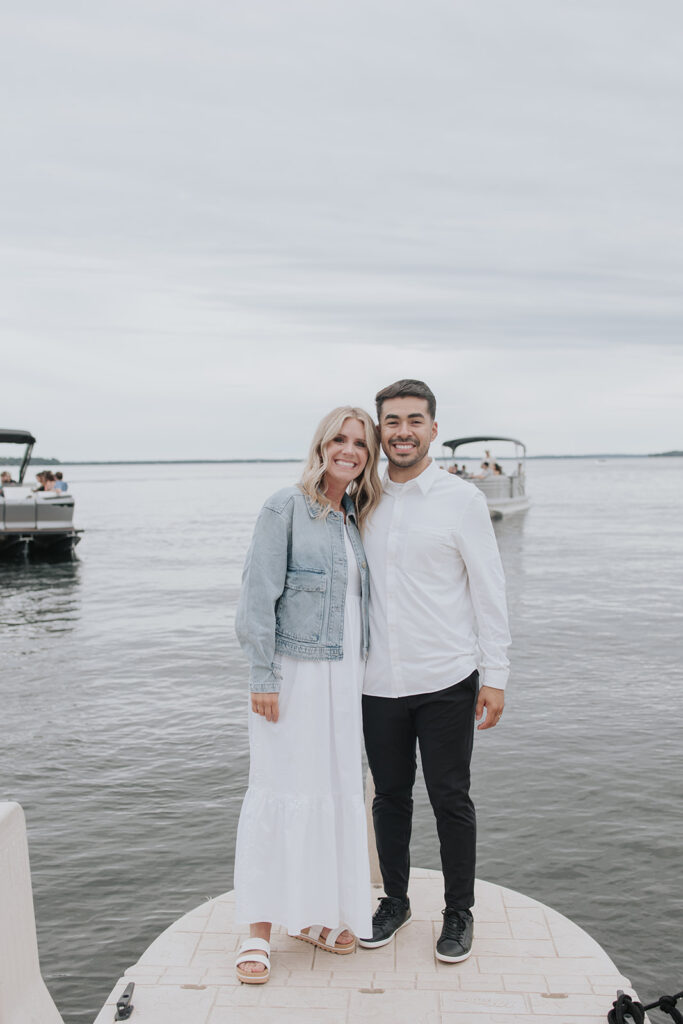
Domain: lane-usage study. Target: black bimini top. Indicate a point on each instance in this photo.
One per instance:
(484, 437)
(16, 437)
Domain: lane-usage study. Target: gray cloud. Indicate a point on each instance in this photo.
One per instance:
(224, 201)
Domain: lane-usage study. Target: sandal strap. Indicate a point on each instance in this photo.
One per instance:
(331, 939)
(314, 931)
(250, 957)
(254, 943)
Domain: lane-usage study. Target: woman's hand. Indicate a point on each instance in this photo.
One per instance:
(265, 704)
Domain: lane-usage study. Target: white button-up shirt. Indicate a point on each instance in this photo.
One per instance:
(437, 590)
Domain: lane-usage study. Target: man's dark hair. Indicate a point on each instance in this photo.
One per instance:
(406, 389)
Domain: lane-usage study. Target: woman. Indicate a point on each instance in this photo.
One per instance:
(301, 859)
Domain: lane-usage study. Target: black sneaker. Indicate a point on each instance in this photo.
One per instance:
(455, 942)
(390, 915)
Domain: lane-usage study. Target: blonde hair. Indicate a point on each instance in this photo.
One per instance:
(366, 489)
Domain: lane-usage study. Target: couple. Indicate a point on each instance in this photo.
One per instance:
(370, 606)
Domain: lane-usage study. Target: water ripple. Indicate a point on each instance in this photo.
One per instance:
(124, 695)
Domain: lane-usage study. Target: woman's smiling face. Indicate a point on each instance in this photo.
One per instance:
(347, 453)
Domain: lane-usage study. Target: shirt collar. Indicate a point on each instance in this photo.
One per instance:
(315, 508)
(349, 507)
(424, 482)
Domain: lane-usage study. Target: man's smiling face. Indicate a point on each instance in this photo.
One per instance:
(406, 431)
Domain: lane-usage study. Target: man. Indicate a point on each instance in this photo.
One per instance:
(437, 613)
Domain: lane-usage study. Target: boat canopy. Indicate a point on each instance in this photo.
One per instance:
(16, 437)
(483, 437)
(20, 437)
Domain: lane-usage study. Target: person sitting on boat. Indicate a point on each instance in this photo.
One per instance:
(486, 471)
(60, 482)
(6, 479)
(40, 477)
(49, 481)
(498, 470)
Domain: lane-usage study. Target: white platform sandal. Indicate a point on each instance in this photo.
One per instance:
(329, 944)
(247, 954)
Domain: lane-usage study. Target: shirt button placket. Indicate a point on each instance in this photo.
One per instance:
(393, 622)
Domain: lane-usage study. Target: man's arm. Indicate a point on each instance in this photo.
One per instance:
(479, 550)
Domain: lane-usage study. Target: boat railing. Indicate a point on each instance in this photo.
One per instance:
(497, 487)
(17, 492)
(518, 485)
(494, 487)
(23, 509)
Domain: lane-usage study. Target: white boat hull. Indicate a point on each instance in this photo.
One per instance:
(24, 999)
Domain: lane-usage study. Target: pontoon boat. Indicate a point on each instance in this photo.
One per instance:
(504, 493)
(34, 523)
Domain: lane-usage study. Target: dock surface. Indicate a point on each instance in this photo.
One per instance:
(529, 965)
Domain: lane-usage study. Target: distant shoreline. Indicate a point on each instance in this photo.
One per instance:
(231, 462)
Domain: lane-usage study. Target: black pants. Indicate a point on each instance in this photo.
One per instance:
(443, 724)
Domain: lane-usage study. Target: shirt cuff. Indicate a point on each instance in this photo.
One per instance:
(495, 677)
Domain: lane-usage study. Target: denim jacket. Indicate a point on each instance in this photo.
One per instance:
(294, 586)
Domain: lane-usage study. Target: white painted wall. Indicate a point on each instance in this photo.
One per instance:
(24, 999)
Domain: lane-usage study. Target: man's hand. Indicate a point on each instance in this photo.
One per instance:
(265, 704)
(494, 701)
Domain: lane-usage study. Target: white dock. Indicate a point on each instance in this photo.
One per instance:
(530, 965)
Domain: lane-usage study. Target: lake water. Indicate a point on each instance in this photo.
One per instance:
(124, 696)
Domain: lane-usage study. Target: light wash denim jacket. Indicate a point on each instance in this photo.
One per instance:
(294, 586)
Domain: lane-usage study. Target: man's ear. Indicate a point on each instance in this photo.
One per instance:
(435, 430)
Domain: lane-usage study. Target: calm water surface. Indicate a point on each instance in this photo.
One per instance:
(124, 738)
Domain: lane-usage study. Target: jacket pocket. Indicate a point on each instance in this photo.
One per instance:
(300, 609)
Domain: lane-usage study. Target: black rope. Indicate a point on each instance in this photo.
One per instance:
(667, 1004)
(628, 1011)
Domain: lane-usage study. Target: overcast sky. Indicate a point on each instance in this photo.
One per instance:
(221, 219)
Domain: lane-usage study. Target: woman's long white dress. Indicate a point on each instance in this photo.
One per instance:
(302, 855)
